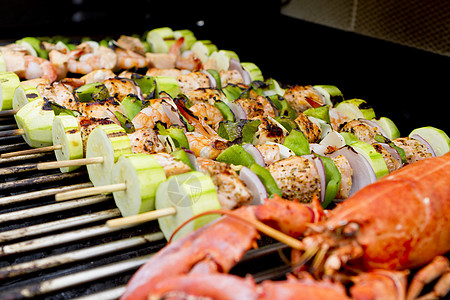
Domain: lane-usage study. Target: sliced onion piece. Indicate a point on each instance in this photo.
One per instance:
(375, 124)
(324, 126)
(318, 149)
(255, 153)
(238, 111)
(192, 159)
(333, 138)
(236, 65)
(423, 141)
(321, 171)
(212, 80)
(392, 151)
(171, 114)
(363, 173)
(255, 186)
(285, 152)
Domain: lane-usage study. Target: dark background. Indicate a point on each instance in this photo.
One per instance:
(408, 85)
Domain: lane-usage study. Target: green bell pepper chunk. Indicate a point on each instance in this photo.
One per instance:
(232, 92)
(147, 85)
(225, 110)
(181, 155)
(333, 180)
(216, 77)
(176, 133)
(322, 112)
(126, 123)
(267, 180)
(349, 138)
(287, 123)
(236, 155)
(283, 106)
(297, 142)
(132, 105)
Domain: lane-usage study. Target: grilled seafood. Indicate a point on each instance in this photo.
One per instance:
(392, 225)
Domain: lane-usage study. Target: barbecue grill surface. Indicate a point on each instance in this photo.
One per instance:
(402, 83)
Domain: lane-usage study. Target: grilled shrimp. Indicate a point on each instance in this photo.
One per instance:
(145, 140)
(207, 112)
(127, 59)
(85, 59)
(148, 117)
(204, 146)
(36, 67)
(131, 43)
(302, 97)
(231, 191)
(297, 177)
(310, 129)
(98, 76)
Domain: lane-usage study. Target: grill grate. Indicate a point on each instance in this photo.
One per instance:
(64, 250)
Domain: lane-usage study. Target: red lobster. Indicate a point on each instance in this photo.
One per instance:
(397, 223)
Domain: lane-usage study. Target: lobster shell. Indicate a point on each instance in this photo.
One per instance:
(404, 218)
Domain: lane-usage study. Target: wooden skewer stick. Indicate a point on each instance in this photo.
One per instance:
(69, 163)
(142, 218)
(91, 191)
(31, 151)
(12, 132)
(9, 112)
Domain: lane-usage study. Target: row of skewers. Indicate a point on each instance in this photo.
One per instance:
(223, 122)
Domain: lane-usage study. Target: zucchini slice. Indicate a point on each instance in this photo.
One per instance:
(142, 174)
(66, 132)
(191, 194)
(107, 141)
(23, 95)
(36, 123)
(9, 81)
(437, 138)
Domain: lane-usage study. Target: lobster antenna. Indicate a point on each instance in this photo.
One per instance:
(267, 230)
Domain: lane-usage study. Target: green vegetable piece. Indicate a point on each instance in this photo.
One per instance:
(349, 137)
(146, 83)
(176, 132)
(287, 123)
(225, 110)
(35, 45)
(267, 180)
(216, 76)
(249, 130)
(331, 94)
(59, 109)
(333, 180)
(92, 92)
(322, 112)
(181, 155)
(168, 85)
(232, 92)
(229, 130)
(126, 123)
(297, 142)
(283, 107)
(236, 155)
(132, 105)
(244, 130)
(382, 139)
